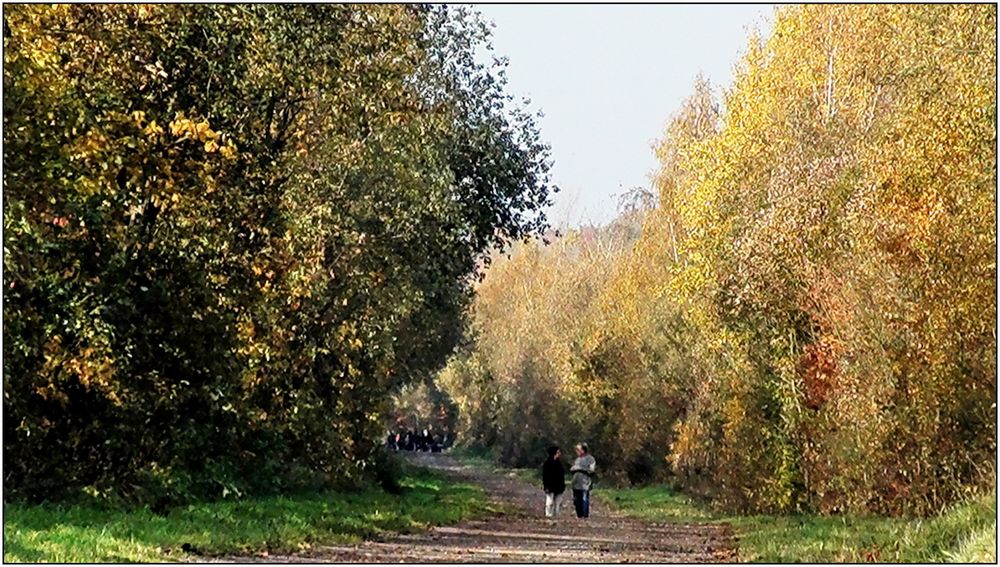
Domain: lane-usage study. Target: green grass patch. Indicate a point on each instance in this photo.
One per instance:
(979, 547)
(481, 459)
(529, 475)
(280, 524)
(964, 533)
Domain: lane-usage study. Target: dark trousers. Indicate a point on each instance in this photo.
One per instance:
(581, 501)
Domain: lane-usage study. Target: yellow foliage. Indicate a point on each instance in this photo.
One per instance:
(807, 317)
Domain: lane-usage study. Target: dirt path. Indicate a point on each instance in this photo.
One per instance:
(527, 536)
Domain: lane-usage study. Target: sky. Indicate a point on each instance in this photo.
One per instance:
(607, 78)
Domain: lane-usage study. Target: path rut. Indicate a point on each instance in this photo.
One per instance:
(525, 535)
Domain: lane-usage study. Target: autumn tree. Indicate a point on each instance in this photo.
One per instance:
(232, 231)
(806, 320)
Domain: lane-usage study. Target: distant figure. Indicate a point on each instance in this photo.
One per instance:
(436, 446)
(425, 441)
(553, 482)
(583, 469)
(390, 441)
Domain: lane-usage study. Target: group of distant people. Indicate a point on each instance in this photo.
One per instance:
(410, 440)
(584, 471)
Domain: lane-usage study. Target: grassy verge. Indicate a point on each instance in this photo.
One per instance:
(978, 547)
(965, 533)
(49, 533)
(482, 460)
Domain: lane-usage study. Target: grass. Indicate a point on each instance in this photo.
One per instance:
(73, 534)
(965, 533)
(979, 547)
(483, 460)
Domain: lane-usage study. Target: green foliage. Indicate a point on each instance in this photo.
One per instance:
(389, 471)
(959, 534)
(232, 231)
(89, 533)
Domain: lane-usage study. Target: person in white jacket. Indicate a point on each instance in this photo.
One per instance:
(583, 469)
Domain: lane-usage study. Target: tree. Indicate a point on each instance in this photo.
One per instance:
(236, 230)
(806, 319)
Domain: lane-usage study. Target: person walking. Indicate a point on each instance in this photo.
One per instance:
(583, 469)
(553, 482)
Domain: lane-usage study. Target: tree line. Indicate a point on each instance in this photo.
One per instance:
(806, 318)
(231, 230)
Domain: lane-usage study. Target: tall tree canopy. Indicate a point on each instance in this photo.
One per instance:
(231, 231)
(807, 319)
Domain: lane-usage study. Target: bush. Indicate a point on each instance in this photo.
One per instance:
(389, 471)
(231, 232)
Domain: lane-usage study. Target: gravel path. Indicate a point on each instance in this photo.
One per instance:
(525, 535)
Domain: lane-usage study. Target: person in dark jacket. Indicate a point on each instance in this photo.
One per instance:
(553, 482)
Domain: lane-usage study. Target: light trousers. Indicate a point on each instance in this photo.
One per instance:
(552, 504)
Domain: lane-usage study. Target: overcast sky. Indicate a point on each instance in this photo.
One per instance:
(608, 78)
